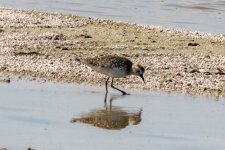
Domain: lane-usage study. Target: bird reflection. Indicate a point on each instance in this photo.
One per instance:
(111, 117)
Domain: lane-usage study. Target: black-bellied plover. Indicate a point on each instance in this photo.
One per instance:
(114, 67)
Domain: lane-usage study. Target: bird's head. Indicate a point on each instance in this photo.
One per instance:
(138, 70)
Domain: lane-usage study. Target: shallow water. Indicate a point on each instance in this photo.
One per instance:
(42, 116)
(200, 15)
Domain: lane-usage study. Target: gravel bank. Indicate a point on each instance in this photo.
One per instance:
(44, 46)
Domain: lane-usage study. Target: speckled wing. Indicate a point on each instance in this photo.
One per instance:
(113, 66)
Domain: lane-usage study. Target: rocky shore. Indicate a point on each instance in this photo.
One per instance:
(39, 45)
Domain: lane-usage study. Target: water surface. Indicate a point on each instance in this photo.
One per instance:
(200, 15)
(41, 116)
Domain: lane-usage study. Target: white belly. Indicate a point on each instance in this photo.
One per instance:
(112, 72)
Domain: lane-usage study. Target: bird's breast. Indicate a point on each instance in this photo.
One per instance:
(115, 72)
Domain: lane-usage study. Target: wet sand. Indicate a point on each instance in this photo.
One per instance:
(44, 46)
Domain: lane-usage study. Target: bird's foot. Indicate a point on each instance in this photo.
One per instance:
(124, 93)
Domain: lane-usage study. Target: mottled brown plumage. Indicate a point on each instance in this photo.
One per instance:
(114, 67)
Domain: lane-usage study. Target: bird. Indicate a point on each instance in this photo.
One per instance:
(114, 66)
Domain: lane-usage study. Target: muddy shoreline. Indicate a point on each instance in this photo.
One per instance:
(39, 45)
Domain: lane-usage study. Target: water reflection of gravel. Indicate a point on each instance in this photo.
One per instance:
(44, 45)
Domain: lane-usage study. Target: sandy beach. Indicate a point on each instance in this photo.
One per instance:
(44, 46)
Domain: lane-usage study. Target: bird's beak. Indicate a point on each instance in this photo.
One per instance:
(142, 77)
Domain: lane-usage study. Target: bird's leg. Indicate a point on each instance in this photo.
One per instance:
(105, 98)
(106, 85)
(110, 104)
(124, 93)
(106, 88)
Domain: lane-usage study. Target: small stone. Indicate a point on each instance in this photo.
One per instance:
(189, 84)
(169, 80)
(86, 36)
(136, 55)
(179, 74)
(207, 73)
(3, 68)
(58, 37)
(220, 72)
(65, 48)
(193, 44)
(194, 71)
(7, 80)
(58, 46)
